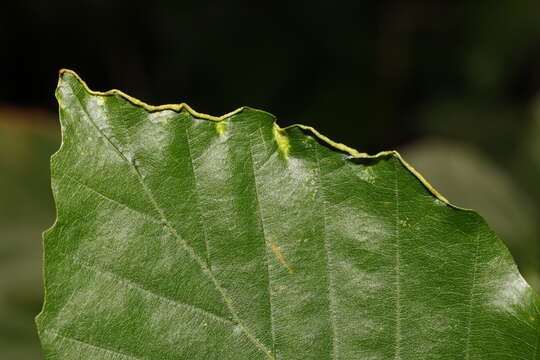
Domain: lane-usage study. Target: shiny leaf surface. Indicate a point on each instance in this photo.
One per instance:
(184, 236)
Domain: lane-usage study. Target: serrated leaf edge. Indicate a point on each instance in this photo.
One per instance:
(353, 153)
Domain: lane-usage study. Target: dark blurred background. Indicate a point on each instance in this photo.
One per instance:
(454, 85)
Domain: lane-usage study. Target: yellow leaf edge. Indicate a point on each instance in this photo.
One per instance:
(333, 144)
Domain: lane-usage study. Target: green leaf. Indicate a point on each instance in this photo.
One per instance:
(184, 236)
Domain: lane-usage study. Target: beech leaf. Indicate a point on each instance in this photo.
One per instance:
(185, 236)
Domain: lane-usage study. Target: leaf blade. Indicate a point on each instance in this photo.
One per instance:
(292, 248)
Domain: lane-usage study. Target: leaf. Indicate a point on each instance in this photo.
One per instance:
(184, 236)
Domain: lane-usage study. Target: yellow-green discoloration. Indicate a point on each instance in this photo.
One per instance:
(220, 128)
(277, 252)
(282, 140)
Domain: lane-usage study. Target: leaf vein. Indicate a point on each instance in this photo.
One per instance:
(197, 199)
(471, 299)
(93, 346)
(144, 290)
(398, 336)
(265, 247)
(537, 347)
(102, 195)
(330, 286)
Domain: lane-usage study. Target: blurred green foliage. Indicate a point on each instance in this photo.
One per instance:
(26, 210)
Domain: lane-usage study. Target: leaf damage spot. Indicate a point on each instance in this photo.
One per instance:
(277, 252)
(282, 140)
(220, 128)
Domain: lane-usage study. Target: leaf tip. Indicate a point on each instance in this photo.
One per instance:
(62, 72)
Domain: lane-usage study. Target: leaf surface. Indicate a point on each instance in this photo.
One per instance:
(184, 236)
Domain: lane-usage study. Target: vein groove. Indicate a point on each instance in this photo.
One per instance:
(330, 286)
(535, 355)
(471, 300)
(398, 335)
(265, 247)
(197, 199)
(537, 347)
